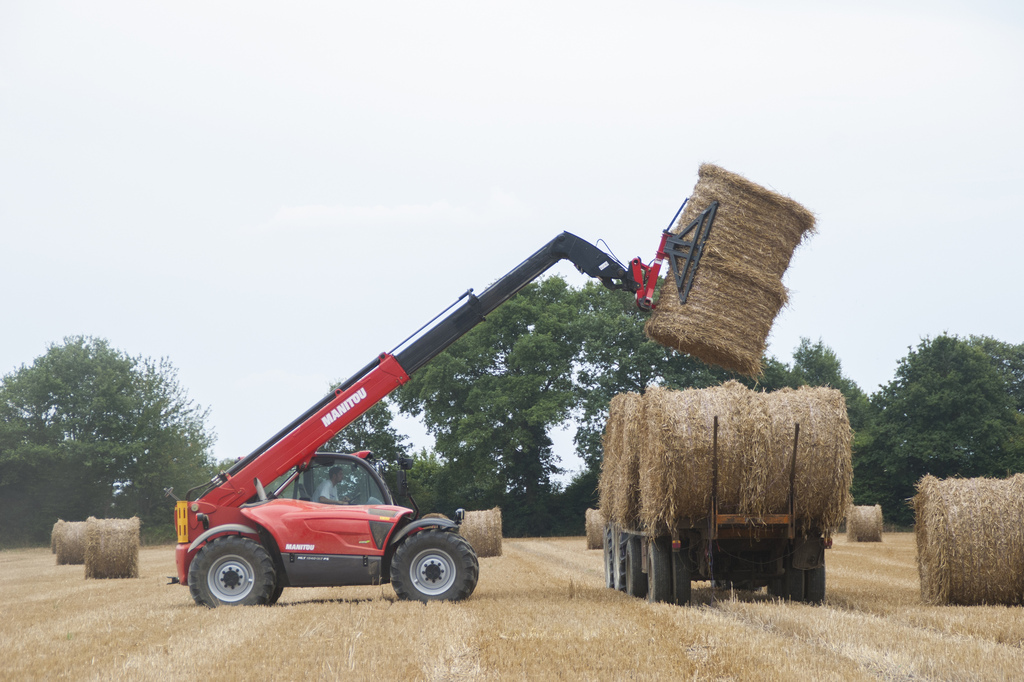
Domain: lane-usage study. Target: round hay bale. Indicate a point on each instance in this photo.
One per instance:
(70, 543)
(824, 458)
(970, 540)
(482, 529)
(595, 529)
(619, 486)
(755, 452)
(112, 548)
(864, 524)
(435, 515)
(737, 291)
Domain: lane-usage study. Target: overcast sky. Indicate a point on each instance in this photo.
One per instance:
(270, 194)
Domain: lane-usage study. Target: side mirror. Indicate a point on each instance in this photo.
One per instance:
(405, 463)
(402, 484)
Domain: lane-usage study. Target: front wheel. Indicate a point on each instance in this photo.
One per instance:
(434, 565)
(232, 571)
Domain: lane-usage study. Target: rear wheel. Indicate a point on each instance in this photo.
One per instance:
(659, 571)
(681, 585)
(434, 565)
(793, 584)
(636, 579)
(814, 585)
(232, 571)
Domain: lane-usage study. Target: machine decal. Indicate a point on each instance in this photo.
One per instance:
(344, 407)
(299, 548)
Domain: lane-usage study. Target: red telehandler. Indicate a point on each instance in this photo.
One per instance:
(241, 541)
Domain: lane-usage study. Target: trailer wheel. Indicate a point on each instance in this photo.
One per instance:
(609, 557)
(636, 579)
(681, 585)
(434, 565)
(232, 571)
(659, 571)
(793, 584)
(814, 585)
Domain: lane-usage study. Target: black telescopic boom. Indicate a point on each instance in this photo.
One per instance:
(587, 258)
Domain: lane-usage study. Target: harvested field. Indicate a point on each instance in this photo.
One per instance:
(749, 249)
(540, 611)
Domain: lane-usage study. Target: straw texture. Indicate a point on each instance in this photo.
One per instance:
(482, 529)
(970, 540)
(595, 529)
(112, 548)
(674, 455)
(864, 524)
(737, 291)
(69, 542)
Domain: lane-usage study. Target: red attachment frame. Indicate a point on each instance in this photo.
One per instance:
(646, 276)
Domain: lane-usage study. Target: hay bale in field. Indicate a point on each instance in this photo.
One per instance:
(737, 291)
(755, 449)
(595, 529)
(483, 531)
(970, 540)
(112, 548)
(864, 524)
(618, 489)
(70, 542)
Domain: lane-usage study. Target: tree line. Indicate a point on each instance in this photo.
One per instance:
(88, 430)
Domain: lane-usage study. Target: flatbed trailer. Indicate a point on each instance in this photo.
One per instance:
(727, 549)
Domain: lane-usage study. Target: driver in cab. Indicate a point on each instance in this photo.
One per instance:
(327, 492)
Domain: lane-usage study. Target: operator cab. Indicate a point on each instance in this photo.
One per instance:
(360, 483)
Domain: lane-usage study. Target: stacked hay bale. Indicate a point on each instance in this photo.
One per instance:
(618, 489)
(112, 548)
(864, 524)
(595, 529)
(675, 452)
(737, 290)
(970, 540)
(482, 529)
(69, 542)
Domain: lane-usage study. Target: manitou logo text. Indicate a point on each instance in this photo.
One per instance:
(298, 548)
(345, 406)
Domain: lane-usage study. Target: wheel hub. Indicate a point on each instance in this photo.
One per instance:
(433, 572)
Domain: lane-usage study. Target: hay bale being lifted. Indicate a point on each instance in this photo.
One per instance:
(970, 540)
(482, 529)
(595, 529)
(112, 548)
(864, 524)
(755, 453)
(70, 542)
(737, 291)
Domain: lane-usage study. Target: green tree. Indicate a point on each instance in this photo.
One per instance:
(815, 364)
(949, 411)
(89, 431)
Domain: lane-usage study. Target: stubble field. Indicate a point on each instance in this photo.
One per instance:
(540, 611)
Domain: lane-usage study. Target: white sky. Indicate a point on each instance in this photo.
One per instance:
(270, 194)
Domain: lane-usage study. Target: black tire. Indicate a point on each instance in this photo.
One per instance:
(636, 579)
(609, 557)
(659, 571)
(793, 584)
(232, 571)
(814, 585)
(275, 595)
(434, 565)
(682, 588)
